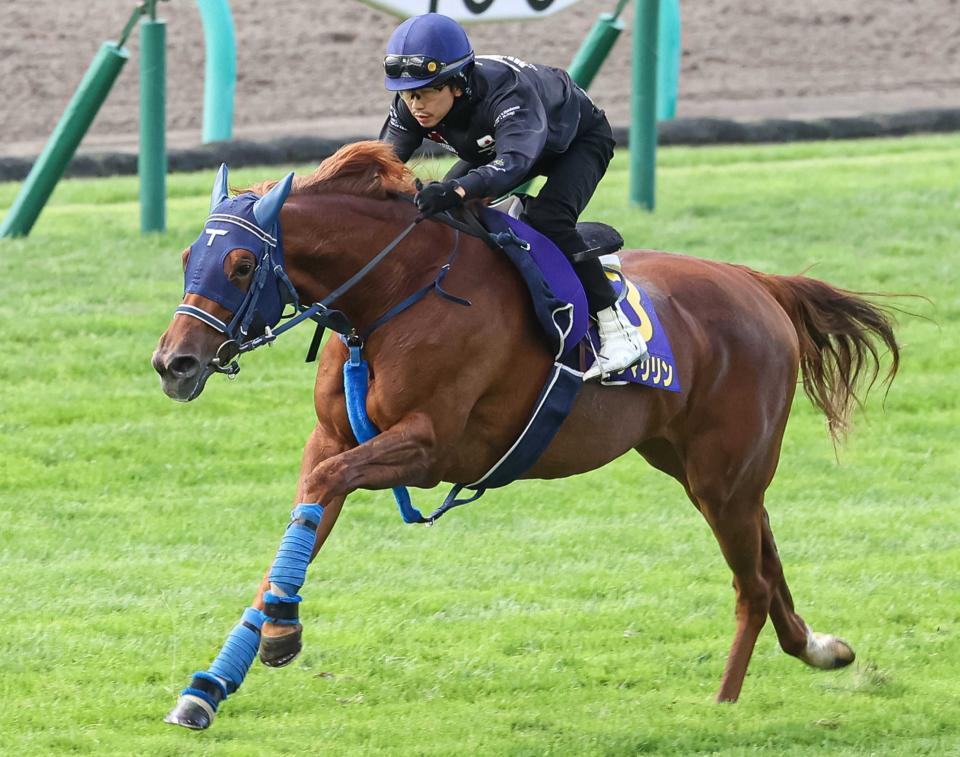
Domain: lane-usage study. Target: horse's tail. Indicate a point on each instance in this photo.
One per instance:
(838, 332)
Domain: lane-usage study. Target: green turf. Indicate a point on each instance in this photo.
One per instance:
(583, 617)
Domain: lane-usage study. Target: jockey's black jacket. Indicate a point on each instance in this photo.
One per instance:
(511, 120)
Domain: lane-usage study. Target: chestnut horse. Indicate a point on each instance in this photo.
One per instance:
(451, 387)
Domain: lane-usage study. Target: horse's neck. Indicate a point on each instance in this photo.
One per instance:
(328, 238)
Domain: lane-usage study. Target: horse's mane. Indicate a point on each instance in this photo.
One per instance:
(370, 169)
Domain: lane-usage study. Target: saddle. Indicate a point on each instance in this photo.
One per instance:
(600, 239)
(560, 307)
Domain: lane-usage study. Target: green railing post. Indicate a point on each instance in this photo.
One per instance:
(664, 33)
(643, 106)
(152, 162)
(669, 53)
(63, 142)
(597, 46)
(220, 77)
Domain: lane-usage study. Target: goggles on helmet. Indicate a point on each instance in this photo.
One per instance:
(419, 66)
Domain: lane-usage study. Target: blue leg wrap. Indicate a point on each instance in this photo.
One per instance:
(207, 687)
(238, 651)
(289, 569)
(282, 611)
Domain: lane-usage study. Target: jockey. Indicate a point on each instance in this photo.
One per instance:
(508, 121)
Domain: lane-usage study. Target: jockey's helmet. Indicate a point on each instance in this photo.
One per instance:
(426, 50)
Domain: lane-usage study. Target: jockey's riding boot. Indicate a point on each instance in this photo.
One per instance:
(621, 345)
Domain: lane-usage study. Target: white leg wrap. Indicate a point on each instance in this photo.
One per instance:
(825, 651)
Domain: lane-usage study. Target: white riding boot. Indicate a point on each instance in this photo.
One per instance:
(621, 345)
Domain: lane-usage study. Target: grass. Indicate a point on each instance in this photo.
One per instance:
(585, 616)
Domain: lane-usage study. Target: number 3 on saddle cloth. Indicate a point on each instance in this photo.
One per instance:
(560, 306)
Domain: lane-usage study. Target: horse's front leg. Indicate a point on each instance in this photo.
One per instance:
(310, 524)
(272, 622)
(278, 598)
(403, 455)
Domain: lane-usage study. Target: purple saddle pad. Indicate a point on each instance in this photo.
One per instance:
(558, 298)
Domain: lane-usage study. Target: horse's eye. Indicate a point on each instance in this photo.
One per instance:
(244, 269)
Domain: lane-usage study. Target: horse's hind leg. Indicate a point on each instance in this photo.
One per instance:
(735, 513)
(735, 519)
(736, 524)
(726, 475)
(796, 637)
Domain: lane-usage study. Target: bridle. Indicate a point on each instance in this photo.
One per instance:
(270, 272)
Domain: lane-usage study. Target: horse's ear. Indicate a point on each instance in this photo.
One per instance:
(220, 189)
(267, 208)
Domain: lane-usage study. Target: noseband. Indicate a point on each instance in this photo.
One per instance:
(268, 273)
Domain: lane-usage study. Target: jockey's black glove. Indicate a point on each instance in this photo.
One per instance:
(437, 197)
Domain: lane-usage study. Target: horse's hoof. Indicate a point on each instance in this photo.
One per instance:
(827, 652)
(191, 712)
(277, 651)
(843, 653)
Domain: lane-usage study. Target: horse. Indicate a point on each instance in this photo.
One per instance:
(450, 387)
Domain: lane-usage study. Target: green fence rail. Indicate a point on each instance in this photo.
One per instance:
(643, 106)
(63, 142)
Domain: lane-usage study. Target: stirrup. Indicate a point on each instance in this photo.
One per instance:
(604, 375)
(633, 340)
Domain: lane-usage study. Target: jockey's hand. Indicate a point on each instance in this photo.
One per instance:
(439, 196)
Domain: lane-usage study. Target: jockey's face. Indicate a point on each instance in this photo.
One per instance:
(430, 105)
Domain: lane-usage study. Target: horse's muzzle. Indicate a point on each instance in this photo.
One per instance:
(182, 376)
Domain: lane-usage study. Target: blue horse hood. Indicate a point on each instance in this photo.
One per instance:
(229, 227)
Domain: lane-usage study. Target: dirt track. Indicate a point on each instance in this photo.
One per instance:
(312, 66)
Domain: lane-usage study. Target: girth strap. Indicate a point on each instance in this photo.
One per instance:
(556, 399)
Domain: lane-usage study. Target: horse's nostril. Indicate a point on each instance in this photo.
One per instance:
(183, 366)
